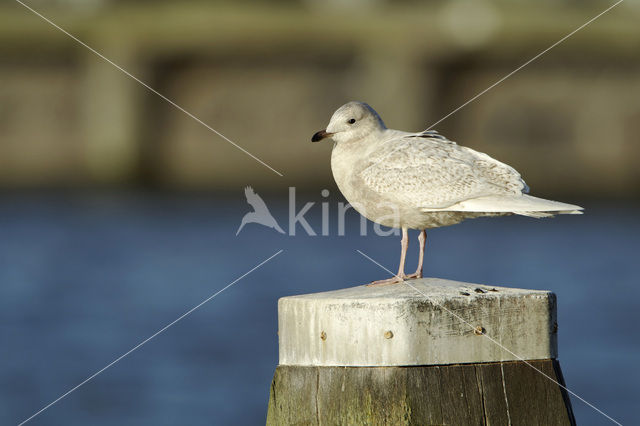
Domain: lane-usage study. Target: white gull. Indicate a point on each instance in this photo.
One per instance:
(421, 180)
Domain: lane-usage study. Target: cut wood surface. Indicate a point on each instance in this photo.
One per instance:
(430, 321)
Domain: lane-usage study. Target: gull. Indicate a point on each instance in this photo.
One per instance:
(260, 213)
(421, 180)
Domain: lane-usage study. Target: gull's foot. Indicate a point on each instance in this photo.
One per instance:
(414, 275)
(394, 280)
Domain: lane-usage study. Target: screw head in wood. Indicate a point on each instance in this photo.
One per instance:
(479, 330)
(388, 334)
(323, 335)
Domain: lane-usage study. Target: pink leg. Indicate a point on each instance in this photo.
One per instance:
(422, 237)
(403, 255)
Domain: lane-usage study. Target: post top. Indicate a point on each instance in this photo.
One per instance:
(419, 289)
(426, 321)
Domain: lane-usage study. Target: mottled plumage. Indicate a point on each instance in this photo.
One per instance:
(436, 173)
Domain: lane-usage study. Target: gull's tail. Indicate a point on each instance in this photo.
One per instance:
(524, 205)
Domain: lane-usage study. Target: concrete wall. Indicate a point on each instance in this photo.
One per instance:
(269, 77)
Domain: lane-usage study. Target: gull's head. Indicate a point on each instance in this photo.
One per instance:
(351, 122)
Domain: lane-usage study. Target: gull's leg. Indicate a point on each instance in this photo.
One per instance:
(404, 242)
(422, 237)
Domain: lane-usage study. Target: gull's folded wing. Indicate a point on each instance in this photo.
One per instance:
(433, 172)
(519, 204)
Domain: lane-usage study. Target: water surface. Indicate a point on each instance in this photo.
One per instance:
(84, 278)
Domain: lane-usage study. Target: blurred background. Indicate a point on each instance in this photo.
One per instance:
(118, 212)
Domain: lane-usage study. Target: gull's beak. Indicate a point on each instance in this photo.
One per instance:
(318, 136)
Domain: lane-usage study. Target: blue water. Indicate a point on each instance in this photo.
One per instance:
(86, 277)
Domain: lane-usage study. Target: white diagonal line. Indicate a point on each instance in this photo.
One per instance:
(525, 64)
(150, 88)
(494, 341)
(149, 338)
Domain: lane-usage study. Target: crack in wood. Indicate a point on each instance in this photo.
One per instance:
(504, 389)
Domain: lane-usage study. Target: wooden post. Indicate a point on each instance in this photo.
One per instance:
(429, 352)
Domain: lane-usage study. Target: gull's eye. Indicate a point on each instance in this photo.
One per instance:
(351, 121)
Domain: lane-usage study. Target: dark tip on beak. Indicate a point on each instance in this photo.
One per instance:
(318, 136)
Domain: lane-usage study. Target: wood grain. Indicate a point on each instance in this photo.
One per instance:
(500, 393)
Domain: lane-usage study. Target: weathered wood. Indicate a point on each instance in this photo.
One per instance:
(432, 352)
(429, 322)
(500, 393)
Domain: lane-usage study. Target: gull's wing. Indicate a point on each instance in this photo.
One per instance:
(430, 171)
